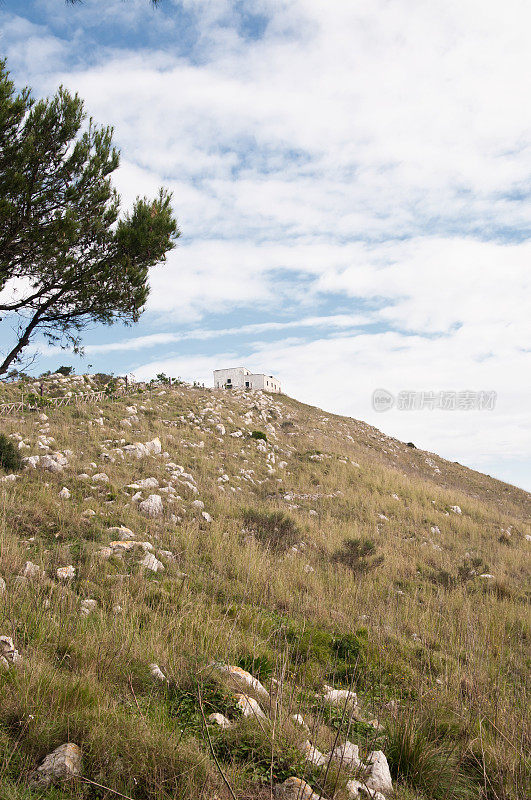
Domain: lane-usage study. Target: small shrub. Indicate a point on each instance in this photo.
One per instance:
(359, 555)
(10, 458)
(66, 371)
(431, 767)
(258, 435)
(274, 529)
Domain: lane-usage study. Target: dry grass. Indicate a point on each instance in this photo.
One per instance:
(269, 586)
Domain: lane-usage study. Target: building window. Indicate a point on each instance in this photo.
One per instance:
(247, 384)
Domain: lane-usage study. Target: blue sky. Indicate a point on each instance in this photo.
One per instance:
(352, 185)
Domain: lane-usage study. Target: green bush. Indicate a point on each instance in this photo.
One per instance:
(258, 435)
(358, 555)
(10, 458)
(274, 529)
(430, 765)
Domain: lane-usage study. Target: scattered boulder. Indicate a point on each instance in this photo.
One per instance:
(88, 606)
(348, 755)
(456, 509)
(32, 570)
(100, 477)
(243, 680)
(339, 696)
(379, 778)
(152, 506)
(150, 562)
(313, 755)
(64, 494)
(157, 672)
(8, 653)
(61, 765)
(66, 573)
(249, 706)
(219, 719)
(295, 789)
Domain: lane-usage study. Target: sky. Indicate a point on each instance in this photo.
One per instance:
(352, 185)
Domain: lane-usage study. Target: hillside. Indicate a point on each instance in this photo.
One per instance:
(154, 544)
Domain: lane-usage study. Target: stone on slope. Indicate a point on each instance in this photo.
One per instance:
(295, 789)
(63, 764)
(380, 777)
(64, 494)
(150, 562)
(219, 719)
(157, 672)
(66, 573)
(241, 679)
(249, 706)
(348, 755)
(152, 506)
(8, 653)
(339, 696)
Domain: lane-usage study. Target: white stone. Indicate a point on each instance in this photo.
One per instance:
(157, 672)
(206, 516)
(249, 706)
(348, 755)
(456, 509)
(8, 654)
(66, 573)
(64, 494)
(295, 789)
(148, 483)
(101, 477)
(154, 447)
(87, 606)
(337, 696)
(63, 764)
(379, 778)
(150, 562)
(240, 678)
(32, 570)
(219, 719)
(2, 585)
(313, 755)
(152, 506)
(298, 719)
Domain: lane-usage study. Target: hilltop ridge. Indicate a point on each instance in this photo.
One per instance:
(180, 528)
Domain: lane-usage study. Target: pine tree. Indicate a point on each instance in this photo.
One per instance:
(67, 256)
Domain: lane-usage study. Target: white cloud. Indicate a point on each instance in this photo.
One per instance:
(374, 155)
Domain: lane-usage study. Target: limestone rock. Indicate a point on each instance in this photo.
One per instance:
(241, 679)
(50, 464)
(100, 477)
(64, 494)
(32, 570)
(88, 606)
(8, 653)
(154, 447)
(219, 719)
(66, 573)
(63, 764)
(152, 506)
(2, 585)
(157, 672)
(339, 696)
(295, 789)
(150, 562)
(357, 789)
(348, 755)
(456, 509)
(380, 777)
(313, 755)
(249, 706)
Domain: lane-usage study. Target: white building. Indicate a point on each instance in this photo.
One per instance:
(241, 378)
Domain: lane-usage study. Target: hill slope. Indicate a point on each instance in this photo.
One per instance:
(326, 555)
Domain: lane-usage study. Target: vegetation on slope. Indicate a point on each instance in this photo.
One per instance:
(326, 554)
